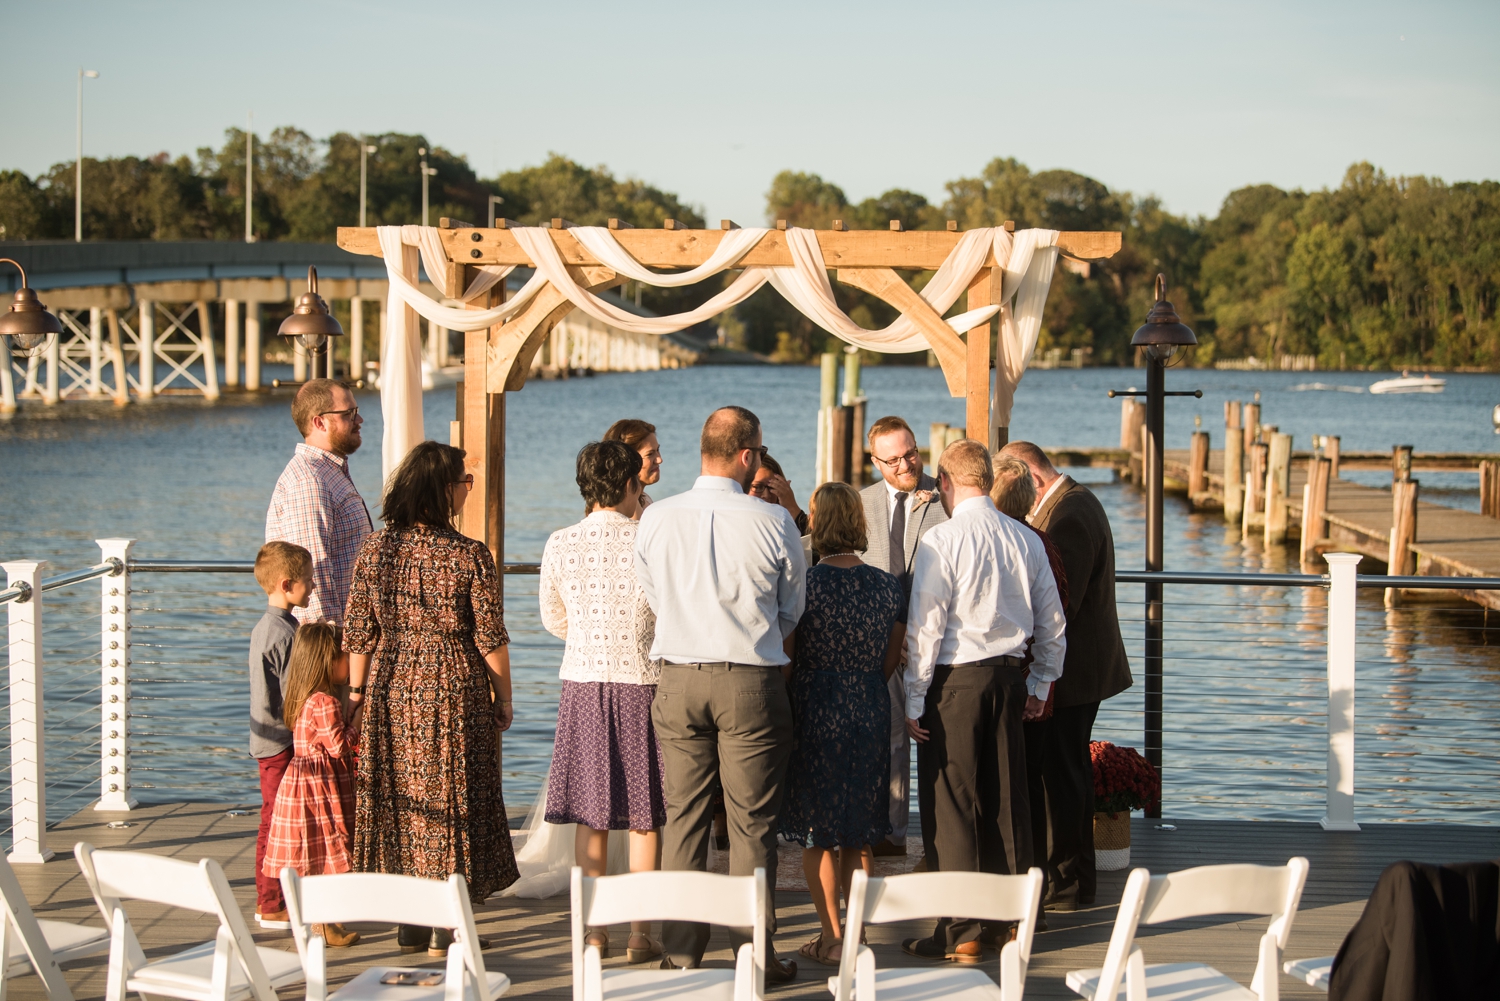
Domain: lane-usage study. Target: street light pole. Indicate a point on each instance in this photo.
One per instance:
(78, 160)
(426, 173)
(364, 150)
(249, 173)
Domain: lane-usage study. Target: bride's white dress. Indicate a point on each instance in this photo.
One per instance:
(545, 857)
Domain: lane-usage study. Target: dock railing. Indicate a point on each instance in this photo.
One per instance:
(31, 775)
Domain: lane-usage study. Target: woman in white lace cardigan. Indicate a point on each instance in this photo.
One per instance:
(606, 762)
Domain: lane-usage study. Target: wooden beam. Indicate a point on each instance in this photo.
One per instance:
(482, 433)
(983, 291)
(886, 285)
(518, 341)
(921, 250)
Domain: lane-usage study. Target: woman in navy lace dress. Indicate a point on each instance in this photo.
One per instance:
(846, 645)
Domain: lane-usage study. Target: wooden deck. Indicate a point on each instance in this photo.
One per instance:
(530, 937)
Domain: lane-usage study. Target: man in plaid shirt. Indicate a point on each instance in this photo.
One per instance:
(315, 504)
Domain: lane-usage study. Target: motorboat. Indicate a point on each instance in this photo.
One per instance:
(1409, 383)
(432, 378)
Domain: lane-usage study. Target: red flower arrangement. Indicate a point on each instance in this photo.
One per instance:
(1123, 780)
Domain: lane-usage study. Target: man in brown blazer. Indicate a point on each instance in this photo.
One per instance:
(1094, 669)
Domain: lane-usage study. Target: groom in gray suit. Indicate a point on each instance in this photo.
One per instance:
(898, 512)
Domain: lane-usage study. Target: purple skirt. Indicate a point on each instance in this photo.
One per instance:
(606, 762)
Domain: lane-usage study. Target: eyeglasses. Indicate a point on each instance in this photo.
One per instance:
(912, 458)
(468, 481)
(762, 487)
(351, 413)
(763, 450)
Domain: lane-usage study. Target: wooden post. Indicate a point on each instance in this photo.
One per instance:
(1197, 467)
(984, 291)
(1255, 485)
(857, 460)
(1314, 512)
(937, 440)
(1234, 462)
(1252, 425)
(1489, 488)
(1401, 561)
(1278, 480)
(231, 342)
(483, 432)
(1331, 453)
(1400, 463)
(839, 468)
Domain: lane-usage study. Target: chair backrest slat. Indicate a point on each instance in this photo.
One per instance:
(981, 895)
(670, 896)
(1216, 889)
(139, 876)
(369, 896)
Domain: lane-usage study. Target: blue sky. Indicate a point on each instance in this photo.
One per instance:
(1184, 100)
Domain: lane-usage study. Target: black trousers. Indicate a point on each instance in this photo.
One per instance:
(1061, 779)
(971, 779)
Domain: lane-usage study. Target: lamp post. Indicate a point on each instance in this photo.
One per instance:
(497, 200)
(364, 150)
(1161, 335)
(426, 173)
(312, 324)
(78, 184)
(249, 173)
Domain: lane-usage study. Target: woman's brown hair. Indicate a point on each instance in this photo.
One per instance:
(838, 520)
(418, 491)
(310, 667)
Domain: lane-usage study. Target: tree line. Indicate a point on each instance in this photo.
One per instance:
(1379, 272)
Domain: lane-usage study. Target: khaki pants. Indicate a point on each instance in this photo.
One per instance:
(728, 724)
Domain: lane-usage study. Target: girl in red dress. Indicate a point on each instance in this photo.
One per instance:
(312, 826)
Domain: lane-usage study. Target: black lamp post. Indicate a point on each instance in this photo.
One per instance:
(1161, 335)
(312, 324)
(28, 326)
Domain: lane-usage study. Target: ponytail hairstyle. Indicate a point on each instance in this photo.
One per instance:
(310, 668)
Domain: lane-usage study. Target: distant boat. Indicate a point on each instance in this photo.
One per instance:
(432, 378)
(1327, 387)
(1410, 384)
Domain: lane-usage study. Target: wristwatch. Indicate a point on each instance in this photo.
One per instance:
(356, 689)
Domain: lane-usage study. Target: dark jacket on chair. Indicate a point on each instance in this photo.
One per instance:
(1095, 666)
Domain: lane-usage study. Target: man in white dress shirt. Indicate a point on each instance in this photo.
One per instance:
(725, 576)
(981, 586)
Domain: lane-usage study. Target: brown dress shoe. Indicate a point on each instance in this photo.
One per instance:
(889, 849)
(336, 935)
(967, 952)
(780, 971)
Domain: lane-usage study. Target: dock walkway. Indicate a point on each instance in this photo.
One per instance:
(530, 940)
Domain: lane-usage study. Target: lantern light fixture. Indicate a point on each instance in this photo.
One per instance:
(28, 326)
(310, 322)
(1163, 332)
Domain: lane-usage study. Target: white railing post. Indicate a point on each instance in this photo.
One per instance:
(28, 792)
(1338, 812)
(114, 693)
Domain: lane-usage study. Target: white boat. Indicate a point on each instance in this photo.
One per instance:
(1409, 383)
(432, 378)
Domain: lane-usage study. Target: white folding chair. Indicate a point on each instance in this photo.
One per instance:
(37, 944)
(370, 896)
(980, 895)
(733, 901)
(230, 968)
(1313, 972)
(1191, 893)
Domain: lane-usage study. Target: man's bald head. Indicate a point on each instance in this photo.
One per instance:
(1036, 460)
(730, 444)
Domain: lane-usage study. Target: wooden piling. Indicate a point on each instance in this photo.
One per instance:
(1234, 462)
(1251, 425)
(841, 425)
(1278, 482)
(1314, 513)
(1198, 468)
(857, 460)
(1331, 453)
(937, 440)
(1400, 463)
(1255, 500)
(1489, 488)
(1402, 561)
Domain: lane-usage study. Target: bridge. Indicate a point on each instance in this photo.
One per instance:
(149, 318)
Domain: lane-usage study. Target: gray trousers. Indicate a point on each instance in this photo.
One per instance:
(971, 778)
(728, 725)
(900, 760)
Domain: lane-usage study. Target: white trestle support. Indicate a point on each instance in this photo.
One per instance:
(147, 334)
(356, 339)
(231, 342)
(252, 345)
(28, 789)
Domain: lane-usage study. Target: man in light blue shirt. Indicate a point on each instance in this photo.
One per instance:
(725, 576)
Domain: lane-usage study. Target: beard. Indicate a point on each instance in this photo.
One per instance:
(345, 442)
(906, 481)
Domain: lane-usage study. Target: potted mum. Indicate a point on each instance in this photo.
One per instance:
(1123, 781)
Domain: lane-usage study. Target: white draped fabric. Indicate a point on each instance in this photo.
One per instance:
(1027, 258)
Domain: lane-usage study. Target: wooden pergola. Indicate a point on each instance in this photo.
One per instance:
(499, 358)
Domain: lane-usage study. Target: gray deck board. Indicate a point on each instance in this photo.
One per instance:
(530, 937)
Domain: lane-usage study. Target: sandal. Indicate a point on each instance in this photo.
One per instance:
(635, 952)
(599, 938)
(815, 950)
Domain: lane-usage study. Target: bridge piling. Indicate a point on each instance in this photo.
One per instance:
(147, 333)
(231, 343)
(252, 345)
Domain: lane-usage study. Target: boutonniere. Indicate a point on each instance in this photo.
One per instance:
(920, 497)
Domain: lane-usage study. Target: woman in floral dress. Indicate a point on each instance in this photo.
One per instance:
(429, 671)
(846, 646)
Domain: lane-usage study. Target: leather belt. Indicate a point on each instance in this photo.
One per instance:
(1016, 662)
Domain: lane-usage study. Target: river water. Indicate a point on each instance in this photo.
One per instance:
(1245, 671)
